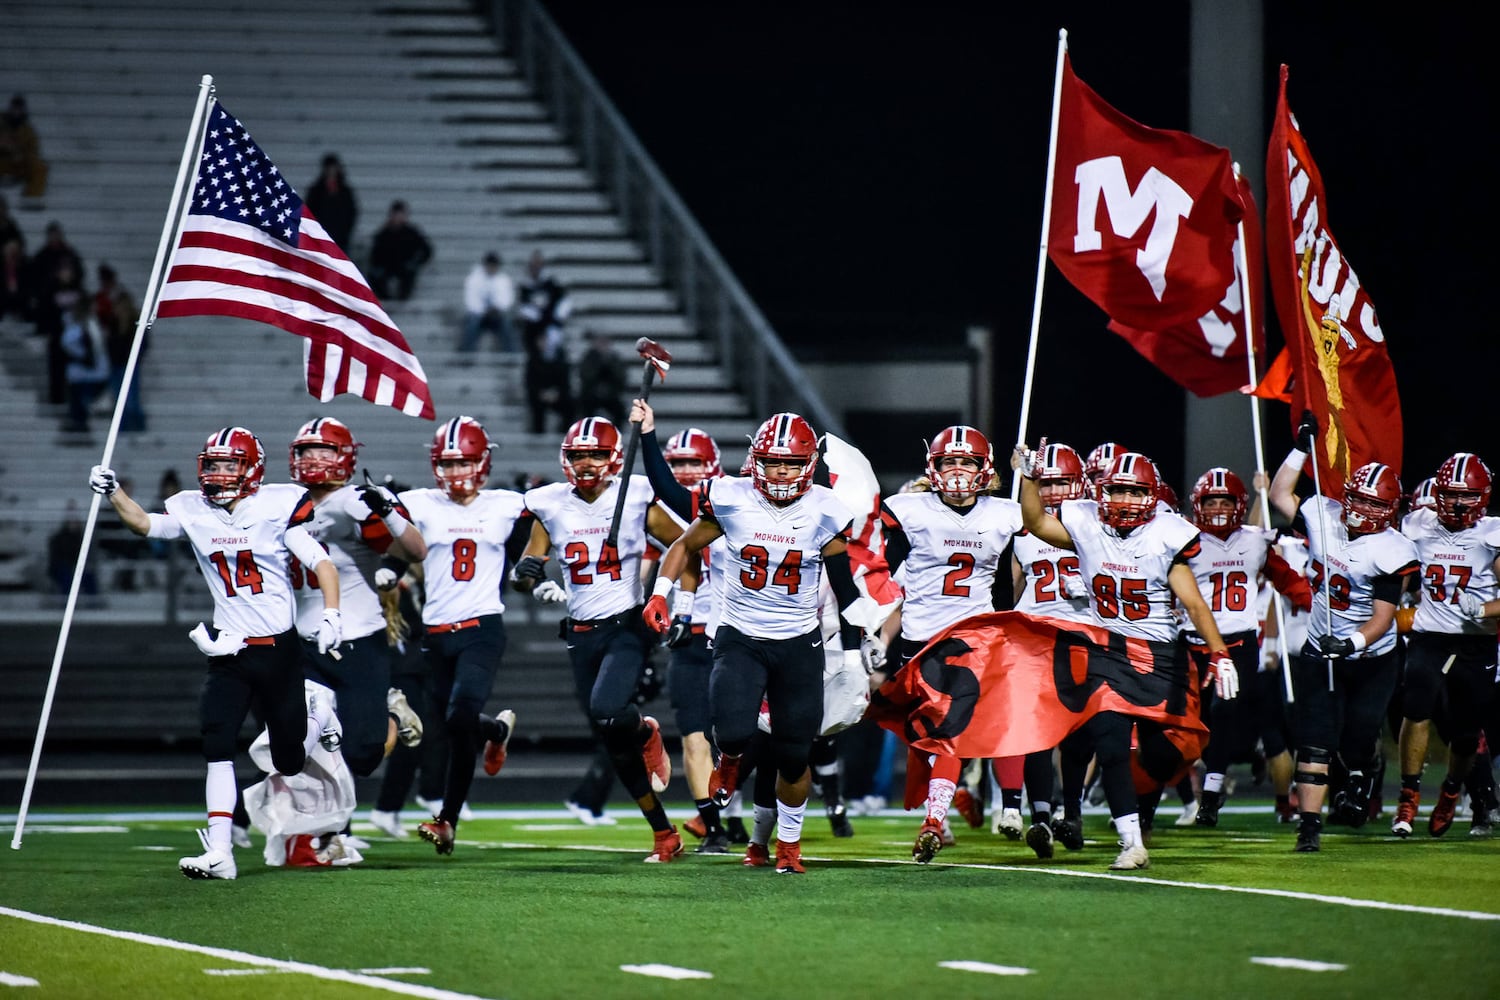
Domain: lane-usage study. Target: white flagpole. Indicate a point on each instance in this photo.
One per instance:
(1041, 257)
(148, 309)
(1247, 305)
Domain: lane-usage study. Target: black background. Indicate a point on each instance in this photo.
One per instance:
(873, 173)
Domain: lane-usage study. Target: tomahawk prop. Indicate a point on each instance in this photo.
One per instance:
(658, 360)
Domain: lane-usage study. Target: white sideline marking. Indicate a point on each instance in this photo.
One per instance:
(245, 958)
(994, 970)
(666, 971)
(238, 972)
(11, 979)
(398, 970)
(1305, 964)
(59, 828)
(546, 827)
(154, 847)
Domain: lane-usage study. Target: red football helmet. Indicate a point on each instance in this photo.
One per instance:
(784, 436)
(462, 439)
(1059, 476)
(1129, 469)
(591, 434)
(1422, 496)
(237, 445)
(1099, 460)
(1371, 498)
(1215, 483)
(1462, 490)
(747, 467)
(959, 483)
(693, 445)
(314, 468)
(1165, 494)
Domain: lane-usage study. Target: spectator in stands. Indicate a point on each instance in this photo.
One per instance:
(125, 546)
(15, 292)
(331, 201)
(21, 151)
(9, 230)
(544, 308)
(398, 253)
(62, 555)
(56, 280)
(115, 310)
(169, 486)
(601, 380)
(489, 295)
(87, 368)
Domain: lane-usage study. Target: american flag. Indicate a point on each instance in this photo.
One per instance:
(250, 248)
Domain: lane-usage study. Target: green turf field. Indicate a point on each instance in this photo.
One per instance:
(536, 906)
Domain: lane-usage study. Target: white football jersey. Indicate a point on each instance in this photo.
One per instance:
(706, 598)
(600, 584)
(950, 571)
(354, 539)
(242, 554)
(1226, 571)
(1353, 563)
(1294, 551)
(1452, 560)
(1127, 576)
(1043, 568)
(773, 556)
(465, 566)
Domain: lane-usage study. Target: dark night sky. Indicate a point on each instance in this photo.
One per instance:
(875, 171)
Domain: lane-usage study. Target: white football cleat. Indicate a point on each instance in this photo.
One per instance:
(1189, 815)
(408, 723)
(1132, 858)
(211, 863)
(388, 823)
(239, 836)
(1010, 824)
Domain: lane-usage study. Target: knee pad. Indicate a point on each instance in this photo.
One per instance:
(363, 760)
(621, 730)
(791, 760)
(288, 760)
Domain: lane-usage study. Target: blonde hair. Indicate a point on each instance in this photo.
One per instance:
(396, 629)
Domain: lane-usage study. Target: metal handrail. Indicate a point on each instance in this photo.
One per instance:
(755, 358)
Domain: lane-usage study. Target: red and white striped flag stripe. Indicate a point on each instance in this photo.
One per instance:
(250, 249)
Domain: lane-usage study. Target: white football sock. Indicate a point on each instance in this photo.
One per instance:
(939, 798)
(1213, 782)
(765, 822)
(789, 822)
(1129, 829)
(220, 793)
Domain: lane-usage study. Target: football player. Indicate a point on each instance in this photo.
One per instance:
(676, 472)
(356, 525)
(468, 530)
(1047, 583)
(949, 542)
(1134, 554)
(781, 532)
(1345, 674)
(245, 536)
(607, 640)
(1231, 558)
(1099, 460)
(1449, 649)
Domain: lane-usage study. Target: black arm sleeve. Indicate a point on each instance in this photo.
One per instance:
(520, 534)
(897, 545)
(841, 579)
(1388, 586)
(677, 497)
(1002, 592)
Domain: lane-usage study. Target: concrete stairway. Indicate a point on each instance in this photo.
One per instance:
(421, 105)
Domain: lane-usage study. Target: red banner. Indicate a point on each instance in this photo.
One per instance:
(1005, 684)
(1341, 370)
(1143, 220)
(1207, 356)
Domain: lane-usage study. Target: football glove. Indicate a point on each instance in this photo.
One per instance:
(1073, 586)
(1226, 677)
(1307, 432)
(330, 630)
(1470, 604)
(530, 568)
(874, 654)
(102, 481)
(386, 579)
(1335, 649)
(657, 614)
(549, 593)
(681, 632)
(378, 499)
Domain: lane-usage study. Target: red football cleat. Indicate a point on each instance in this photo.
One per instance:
(789, 858)
(929, 842)
(438, 833)
(696, 827)
(300, 852)
(724, 780)
(968, 807)
(756, 856)
(495, 753)
(1442, 813)
(654, 754)
(1406, 812)
(668, 846)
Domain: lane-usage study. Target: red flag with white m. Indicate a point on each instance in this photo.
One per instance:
(250, 248)
(1143, 220)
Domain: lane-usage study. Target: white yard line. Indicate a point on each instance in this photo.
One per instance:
(963, 965)
(245, 958)
(660, 971)
(1301, 964)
